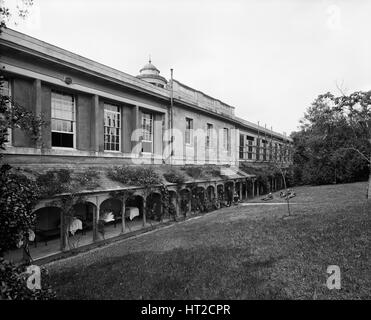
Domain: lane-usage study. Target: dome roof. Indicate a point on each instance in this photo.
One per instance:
(151, 74)
(149, 66)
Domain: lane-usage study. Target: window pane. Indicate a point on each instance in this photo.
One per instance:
(147, 126)
(62, 140)
(5, 88)
(62, 106)
(63, 117)
(112, 127)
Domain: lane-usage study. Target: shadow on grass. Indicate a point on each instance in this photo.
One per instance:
(196, 273)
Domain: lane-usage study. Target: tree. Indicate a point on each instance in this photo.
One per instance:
(18, 193)
(278, 163)
(334, 141)
(357, 110)
(22, 10)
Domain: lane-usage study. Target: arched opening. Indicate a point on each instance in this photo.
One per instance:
(134, 213)
(154, 210)
(173, 205)
(44, 238)
(244, 190)
(249, 186)
(110, 216)
(220, 194)
(210, 191)
(238, 190)
(185, 198)
(211, 200)
(80, 226)
(198, 203)
(228, 192)
(47, 225)
(85, 212)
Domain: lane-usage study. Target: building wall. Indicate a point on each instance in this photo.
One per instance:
(83, 123)
(33, 79)
(90, 130)
(196, 152)
(255, 147)
(23, 94)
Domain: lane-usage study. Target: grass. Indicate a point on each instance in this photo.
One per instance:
(244, 252)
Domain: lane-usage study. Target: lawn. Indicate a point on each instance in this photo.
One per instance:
(244, 252)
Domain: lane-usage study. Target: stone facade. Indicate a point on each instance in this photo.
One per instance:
(99, 116)
(36, 69)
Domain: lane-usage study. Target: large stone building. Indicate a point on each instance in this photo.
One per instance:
(99, 116)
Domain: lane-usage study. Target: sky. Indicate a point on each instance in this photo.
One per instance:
(269, 59)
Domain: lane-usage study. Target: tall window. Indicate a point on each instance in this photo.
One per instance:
(147, 127)
(5, 90)
(280, 152)
(242, 146)
(250, 141)
(63, 122)
(270, 151)
(112, 127)
(209, 135)
(189, 131)
(226, 139)
(264, 149)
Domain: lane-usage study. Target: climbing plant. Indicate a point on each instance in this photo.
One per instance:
(67, 205)
(18, 196)
(58, 181)
(165, 198)
(132, 175)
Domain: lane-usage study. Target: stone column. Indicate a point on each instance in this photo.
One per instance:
(246, 190)
(123, 226)
(189, 202)
(144, 212)
(177, 205)
(240, 191)
(95, 222)
(257, 189)
(157, 135)
(136, 121)
(96, 126)
(63, 233)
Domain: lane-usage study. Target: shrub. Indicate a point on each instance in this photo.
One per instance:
(198, 172)
(88, 179)
(18, 195)
(60, 181)
(13, 284)
(137, 176)
(174, 176)
(54, 182)
(194, 172)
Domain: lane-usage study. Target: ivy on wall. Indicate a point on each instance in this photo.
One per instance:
(18, 196)
(134, 176)
(59, 181)
(174, 176)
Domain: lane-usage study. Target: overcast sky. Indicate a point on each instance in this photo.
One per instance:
(269, 59)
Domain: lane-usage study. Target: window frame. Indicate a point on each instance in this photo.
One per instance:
(209, 140)
(250, 147)
(226, 140)
(189, 130)
(151, 133)
(119, 113)
(74, 133)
